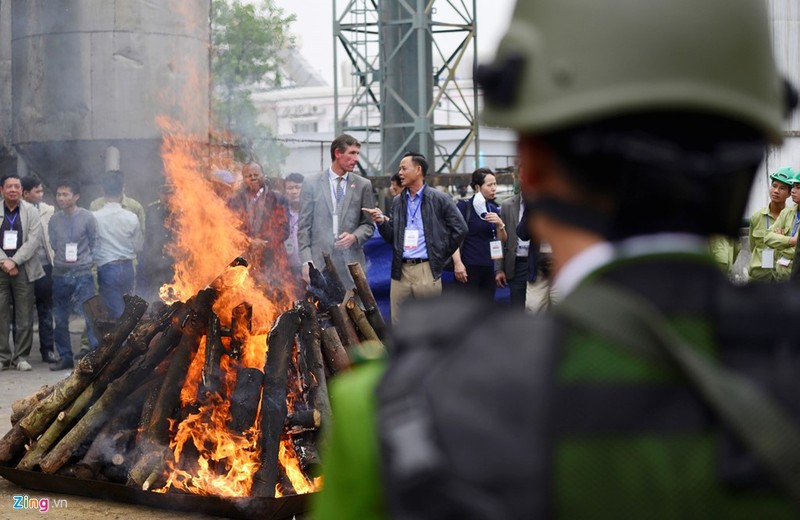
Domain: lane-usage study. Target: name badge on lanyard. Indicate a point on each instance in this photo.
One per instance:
(10, 239)
(411, 239)
(496, 249)
(71, 252)
(768, 259)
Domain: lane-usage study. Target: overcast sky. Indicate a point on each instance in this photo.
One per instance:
(314, 29)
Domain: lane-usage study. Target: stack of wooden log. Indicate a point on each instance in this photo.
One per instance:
(114, 416)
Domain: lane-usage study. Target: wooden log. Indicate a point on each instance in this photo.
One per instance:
(89, 366)
(371, 308)
(344, 325)
(312, 350)
(318, 288)
(244, 402)
(146, 410)
(241, 327)
(169, 394)
(136, 344)
(273, 400)
(333, 278)
(151, 460)
(12, 444)
(211, 378)
(307, 454)
(303, 420)
(96, 313)
(97, 414)
(22, 407)
(113, 438)
(361, 321)
(333, 351)
(110, 448)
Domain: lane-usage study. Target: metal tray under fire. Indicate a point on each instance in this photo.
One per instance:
(244, 508)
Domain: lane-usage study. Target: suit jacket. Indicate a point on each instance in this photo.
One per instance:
(26, 257)
(315, 228)
(509, 213)
(46, 212)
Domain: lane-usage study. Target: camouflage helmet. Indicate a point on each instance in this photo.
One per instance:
(566, 62)
(785, 175)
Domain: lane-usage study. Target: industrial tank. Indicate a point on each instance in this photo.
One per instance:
(90, 77)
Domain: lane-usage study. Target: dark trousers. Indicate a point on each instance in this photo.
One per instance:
(480, 280)
(43, 292)
(69, 293)
(16, 291)
(518, 285)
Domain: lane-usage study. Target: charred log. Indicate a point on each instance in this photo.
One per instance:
(335, 286)
(244, 402)
(273, 400)
(312, 350)
(212, 372)
(241, 327)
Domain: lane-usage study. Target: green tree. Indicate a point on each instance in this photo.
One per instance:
(246, 39)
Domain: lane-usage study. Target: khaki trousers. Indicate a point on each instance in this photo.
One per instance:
(416, 281)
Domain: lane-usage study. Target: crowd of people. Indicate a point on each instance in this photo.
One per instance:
(55, 259)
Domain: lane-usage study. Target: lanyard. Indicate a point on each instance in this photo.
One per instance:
(416, 210)
(12, 221)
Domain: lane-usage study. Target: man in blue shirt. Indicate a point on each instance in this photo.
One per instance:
(425, 228)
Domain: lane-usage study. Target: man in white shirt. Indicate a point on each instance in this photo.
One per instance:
(119, 237)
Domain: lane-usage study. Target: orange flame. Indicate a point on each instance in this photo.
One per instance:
(208, 458)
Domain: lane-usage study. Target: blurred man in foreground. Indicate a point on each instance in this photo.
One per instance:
(642, 393)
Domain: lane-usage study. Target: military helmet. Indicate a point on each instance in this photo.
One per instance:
(785, 175)
(566, 62)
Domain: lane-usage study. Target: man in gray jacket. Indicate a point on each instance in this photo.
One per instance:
(425, 228)
(331, 219)
(21, 233)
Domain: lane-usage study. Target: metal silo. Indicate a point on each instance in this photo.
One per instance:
(90, 77)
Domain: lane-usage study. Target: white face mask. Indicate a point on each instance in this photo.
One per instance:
(479, 204)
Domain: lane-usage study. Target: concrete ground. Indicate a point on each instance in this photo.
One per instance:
(15, 385)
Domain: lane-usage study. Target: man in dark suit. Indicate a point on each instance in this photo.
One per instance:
(518, 268)
(331, 219)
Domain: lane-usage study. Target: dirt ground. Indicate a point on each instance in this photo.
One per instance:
(14, 385)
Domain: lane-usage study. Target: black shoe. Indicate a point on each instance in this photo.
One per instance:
(5, 365)
(81, 354)
(49, 357)
(63, 364)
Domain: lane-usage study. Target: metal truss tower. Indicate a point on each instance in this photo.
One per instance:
(404, 93)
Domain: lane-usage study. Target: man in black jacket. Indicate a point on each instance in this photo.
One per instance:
(425, 228)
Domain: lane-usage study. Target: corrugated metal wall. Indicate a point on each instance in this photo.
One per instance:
(785, 17)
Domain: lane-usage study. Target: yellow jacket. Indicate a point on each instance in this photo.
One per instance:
(777, 238)
(760, 222)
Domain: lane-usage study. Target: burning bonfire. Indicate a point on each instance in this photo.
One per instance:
(218, 391)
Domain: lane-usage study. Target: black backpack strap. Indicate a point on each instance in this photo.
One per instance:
(638, 327)
(461, 410)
